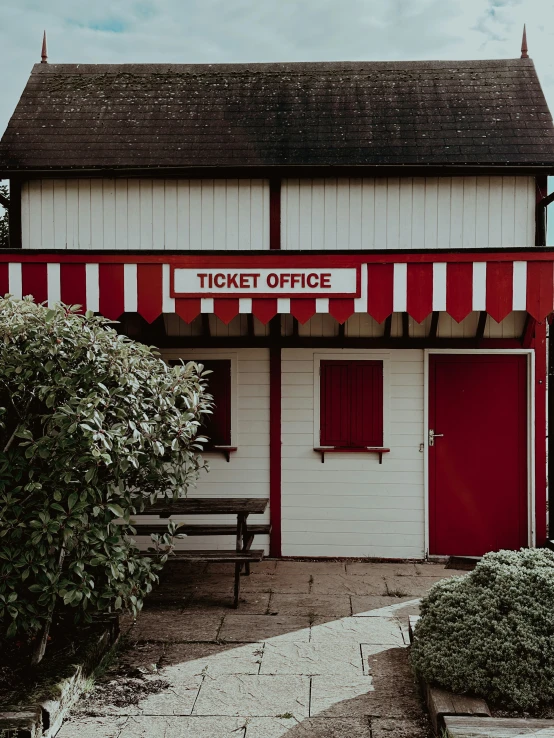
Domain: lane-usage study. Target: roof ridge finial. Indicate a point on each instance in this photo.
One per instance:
(524, 49)
(44, 53)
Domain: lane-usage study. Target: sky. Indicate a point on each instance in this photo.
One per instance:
(189, 31)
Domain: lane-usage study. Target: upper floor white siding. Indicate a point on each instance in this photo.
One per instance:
(316, 214)
(146, 214)
(408, 213)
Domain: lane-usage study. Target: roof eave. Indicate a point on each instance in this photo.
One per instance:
(283, 170)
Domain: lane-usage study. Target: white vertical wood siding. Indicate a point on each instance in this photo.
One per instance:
(351, 505)
(408, 213)
(247, 474)
(146, 214)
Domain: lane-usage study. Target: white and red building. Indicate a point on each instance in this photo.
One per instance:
(358, 252)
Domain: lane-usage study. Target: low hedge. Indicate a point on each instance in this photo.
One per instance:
(491, 633)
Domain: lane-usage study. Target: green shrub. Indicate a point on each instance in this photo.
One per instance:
(491, 633)
(92, 426)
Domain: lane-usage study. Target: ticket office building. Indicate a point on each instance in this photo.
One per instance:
(356, 250)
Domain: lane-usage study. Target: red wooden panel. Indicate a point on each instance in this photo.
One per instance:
(420, 291)
(335, 403)
(459, 290)
(217, 427)
(111, 286)
(302, 309)
(73, 286)
(187, 308)
(34, 280)
(149, 291)
(4, 281)
(478, 468)
(500, 288)
(366, 403)
(226, 308)
(541, 481)
(274, 214)
(380, 279)
(351, 403)
(341, 308)
(540, 289)
(264, 310)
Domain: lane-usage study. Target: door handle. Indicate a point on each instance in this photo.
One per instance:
(433, 435)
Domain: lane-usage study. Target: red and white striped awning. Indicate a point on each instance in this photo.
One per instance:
(414, 283)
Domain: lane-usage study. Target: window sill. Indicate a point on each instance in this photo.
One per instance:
(352, 450)
(225, 450)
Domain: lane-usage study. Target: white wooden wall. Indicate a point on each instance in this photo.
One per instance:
(247, 474)
(361, 325)
(408, 213)
(351, 505)
(145, 214)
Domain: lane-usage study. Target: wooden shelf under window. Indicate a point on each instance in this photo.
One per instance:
(225, 450)
(352, 450)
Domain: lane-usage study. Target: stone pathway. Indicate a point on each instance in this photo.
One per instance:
(316, 650)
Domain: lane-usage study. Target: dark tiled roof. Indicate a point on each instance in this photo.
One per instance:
(297, 114)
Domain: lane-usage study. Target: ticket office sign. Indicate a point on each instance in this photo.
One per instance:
(251, 282)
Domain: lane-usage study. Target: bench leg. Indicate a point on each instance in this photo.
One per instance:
(247, 546)
(237, 585)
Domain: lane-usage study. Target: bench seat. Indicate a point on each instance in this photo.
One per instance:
(197, 529)
(215, 557)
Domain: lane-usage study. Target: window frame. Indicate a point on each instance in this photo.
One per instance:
(361, 355)
(210, 355)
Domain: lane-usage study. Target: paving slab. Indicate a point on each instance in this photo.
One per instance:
(353, 585)
(183, 660)
(178, 699)
(94, 727)
(145, 657)
(311, 728)
(311, 605)
(222, 602)
(287, 583)
(415, 586)
(335, 692)
(393, 569)
(322, 568)
(182, 727)
(293, 657)
(372, 606)
(168, 595)
(253, 628)
(256, 696)
(384, 631)
(438, 570)
(171, 626)
(390, 669)
(267, 566)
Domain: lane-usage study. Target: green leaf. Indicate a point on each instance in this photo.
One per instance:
(72, 499)
(116, 509)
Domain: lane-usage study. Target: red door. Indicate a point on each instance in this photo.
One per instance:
(478, 463)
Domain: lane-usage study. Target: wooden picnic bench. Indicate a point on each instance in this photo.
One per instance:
(243, 554)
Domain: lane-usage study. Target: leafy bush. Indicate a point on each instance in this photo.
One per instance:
(92, 426)
(491, 633)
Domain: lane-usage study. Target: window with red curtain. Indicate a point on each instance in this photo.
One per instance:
(217, 427)
(351, 403)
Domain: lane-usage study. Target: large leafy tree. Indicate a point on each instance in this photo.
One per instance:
(92, 427)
